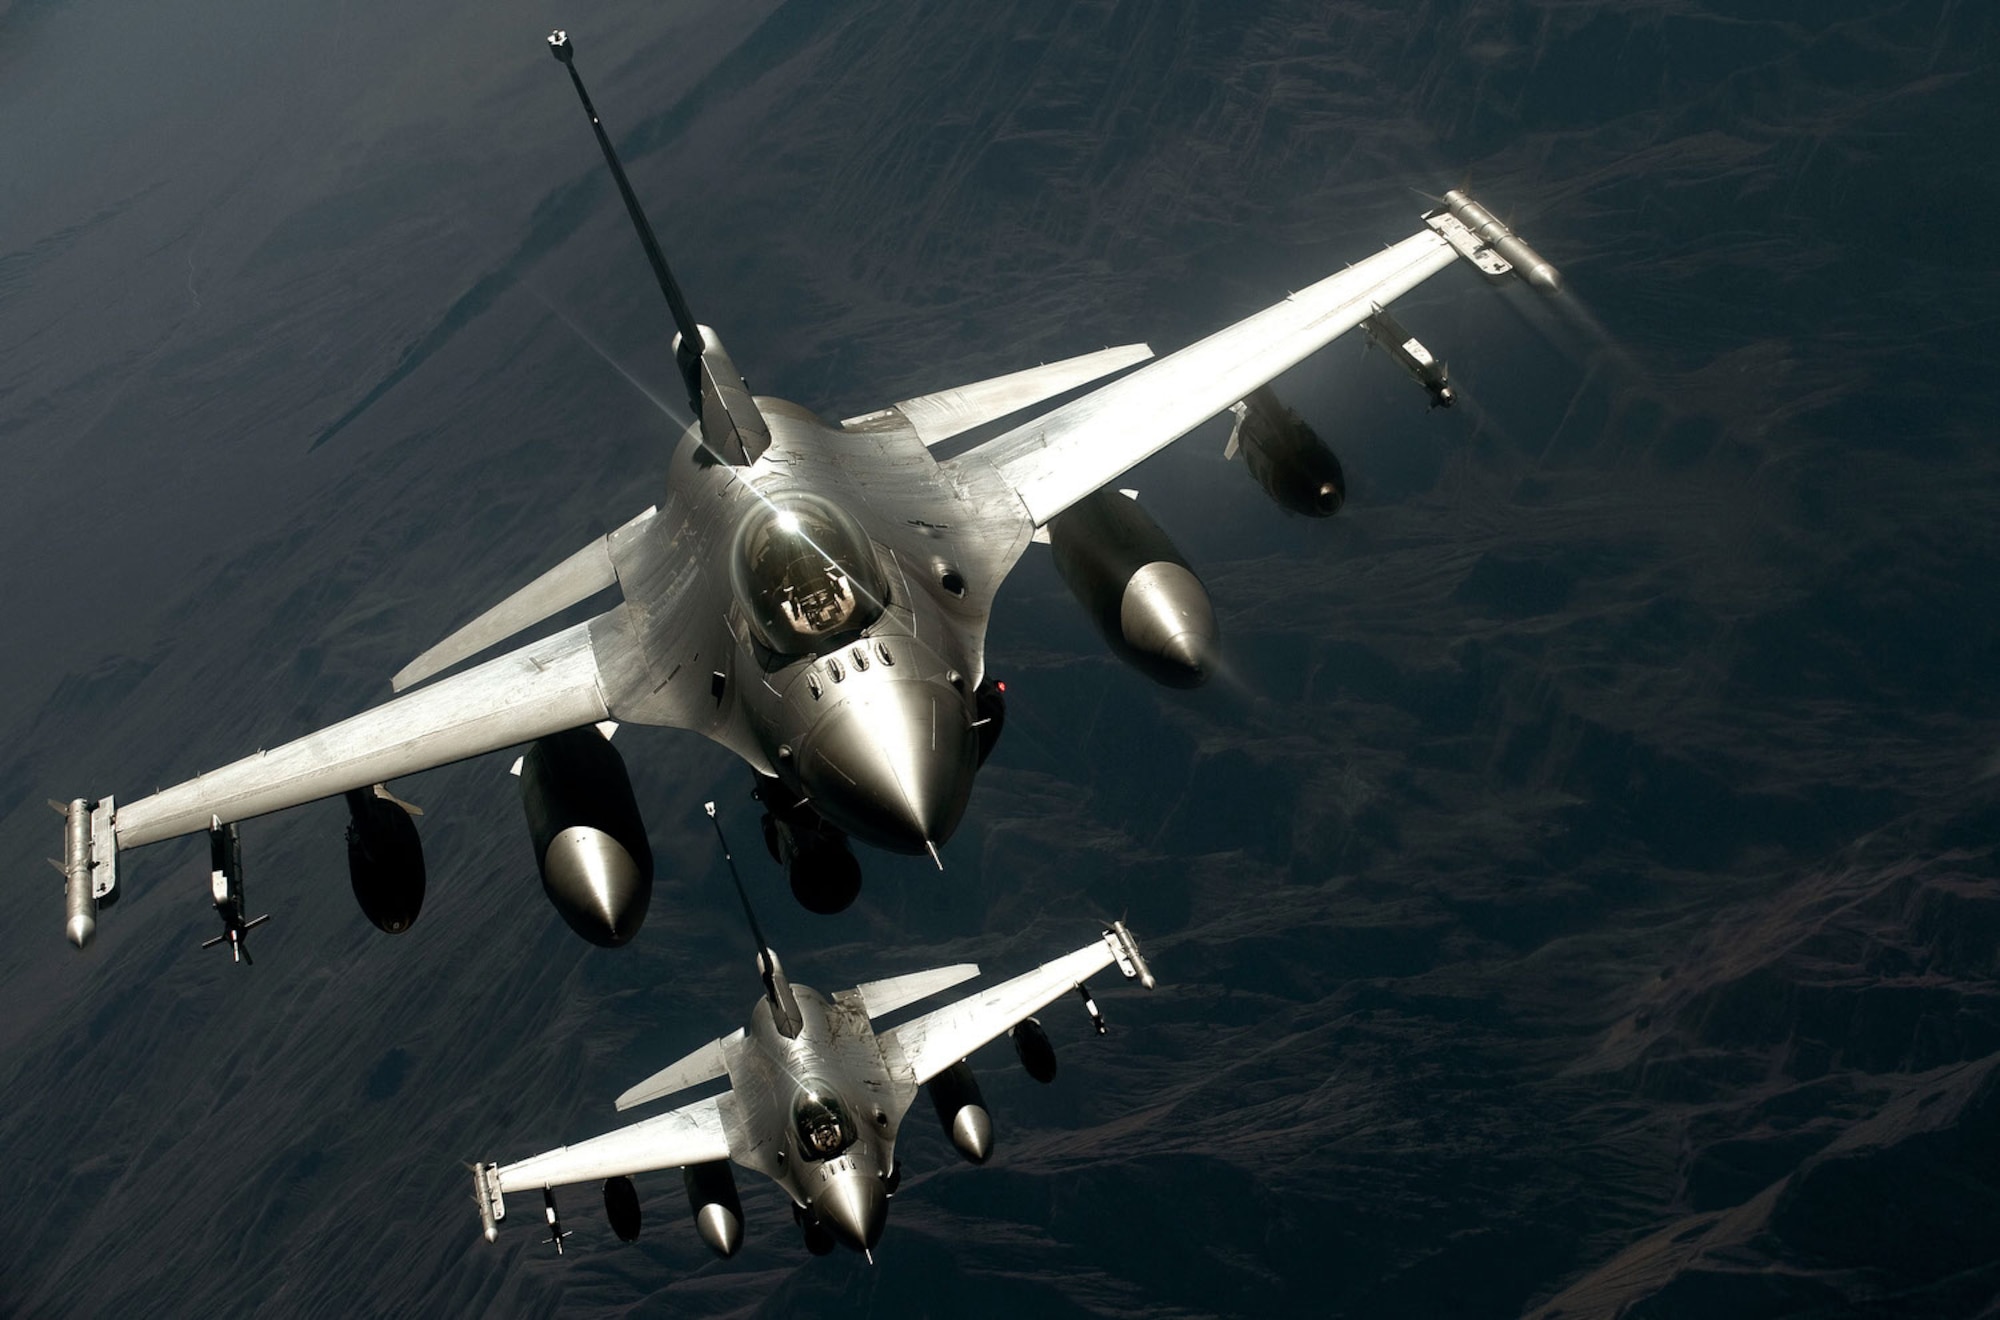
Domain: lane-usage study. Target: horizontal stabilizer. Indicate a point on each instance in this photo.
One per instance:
(939, 417)
(703, 1065)
(892, 993)
(575, 579)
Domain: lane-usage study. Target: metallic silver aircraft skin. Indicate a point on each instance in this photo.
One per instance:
(816, 1097)
(812, 595)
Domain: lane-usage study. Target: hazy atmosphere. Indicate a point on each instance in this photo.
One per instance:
(1577, 896)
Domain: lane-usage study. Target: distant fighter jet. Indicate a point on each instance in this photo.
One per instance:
(815, 1098)
(814, 596)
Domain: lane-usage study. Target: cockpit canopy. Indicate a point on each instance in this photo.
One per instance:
(804, 574)
(822, 1123)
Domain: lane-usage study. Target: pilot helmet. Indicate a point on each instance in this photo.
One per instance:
(805, 574)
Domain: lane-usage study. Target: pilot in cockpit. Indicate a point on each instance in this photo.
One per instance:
(818, 606)
(826, 1135)
(805, 574)
(823, 1133)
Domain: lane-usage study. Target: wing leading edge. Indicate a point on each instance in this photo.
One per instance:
(1057, 459)
(581, 576)
(931, 1043)
(542, 688)
(692, 1134)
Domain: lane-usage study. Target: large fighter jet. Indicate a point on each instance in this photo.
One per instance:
(815, 1098)
(814, 596)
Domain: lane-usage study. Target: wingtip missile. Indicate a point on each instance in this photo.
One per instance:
(492, 1205)
(1489, 230)
(90, 872)
(1125, 950)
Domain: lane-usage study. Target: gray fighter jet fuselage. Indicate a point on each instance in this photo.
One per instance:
(815, 595)
(843, 669)
(817, 1112)
(846, 610)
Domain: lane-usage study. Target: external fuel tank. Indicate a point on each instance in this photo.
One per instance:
(1287, 458)
(596, 865)
(1137, 587)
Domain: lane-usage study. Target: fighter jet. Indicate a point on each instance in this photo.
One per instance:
(812, 595)
(815, 1099)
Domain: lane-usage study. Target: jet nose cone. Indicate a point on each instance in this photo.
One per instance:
(893, 765)
(599, 888)
(854, 1208)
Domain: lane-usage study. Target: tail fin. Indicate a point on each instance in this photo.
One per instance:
(239, 949)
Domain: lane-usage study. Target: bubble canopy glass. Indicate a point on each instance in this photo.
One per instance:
(821, 1122)
(804, 573)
